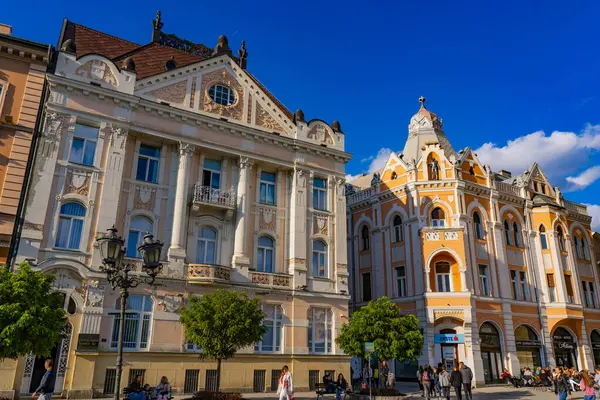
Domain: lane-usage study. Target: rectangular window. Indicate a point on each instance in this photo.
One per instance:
(544, 241)
(569, 288)
(320, 194)
(443, 283)
(267, 188)
(313, 379)
(136, 333)
(211, 174)
(592, 291)
(210, 382)
(275, 374)
(147, 164)
(271, 340)
(551, 287)
(484, 280)
(259, 383)
(515, 284)
(191, 380)
(524, 286)
(110, 379)
(401, 279)
(586, 297)
(320, 327)
(83, 146)
(366, 286)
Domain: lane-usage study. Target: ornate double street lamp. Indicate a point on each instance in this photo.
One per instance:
(112, 252)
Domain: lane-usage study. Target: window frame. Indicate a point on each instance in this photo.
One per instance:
(551, 288)
(401, 281)
(143, 323)
(328, 346)
(265, 250)
(363, 287)
(213, 172)
(446, 281)
(140, 236)
(318, 254)
(320, 194)
(561, 239)
(71, 218)
(438, 222)
(584, 250)
(365, 240)
(218, 96)
(206, 240)
(398, 234)
(478, 225)
(484, 281)
(278, 331)
(149, 159)
(516, 234)
(84, 146)
(524, 286)
(543, 238)
(507, 234)
(4, 85)
(514, 280)
(267, 184)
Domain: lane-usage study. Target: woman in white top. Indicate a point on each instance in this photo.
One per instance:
(285, 390)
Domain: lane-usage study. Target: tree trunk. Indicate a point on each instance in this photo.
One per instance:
(218, 374)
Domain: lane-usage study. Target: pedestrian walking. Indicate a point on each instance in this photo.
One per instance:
(597, 383)
(561, 385)
(285, 389)
(587, 386)
(467, 379)
(46, 387)
(420, 379)
(456, 382)
(445, 383)
(384, 372)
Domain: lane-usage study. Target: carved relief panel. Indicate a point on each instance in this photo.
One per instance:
(97, 70)
(267, 218)
(77, 182)
(144, 198)
(223, 78)
(174, 93)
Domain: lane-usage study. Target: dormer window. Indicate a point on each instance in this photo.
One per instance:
(221, 95)
(170, 65)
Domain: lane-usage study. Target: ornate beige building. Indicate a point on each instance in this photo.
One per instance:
(499, 269)
(180, 140)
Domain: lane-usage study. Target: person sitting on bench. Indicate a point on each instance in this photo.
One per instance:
(163, 389)
(136, 390)
(328, 382)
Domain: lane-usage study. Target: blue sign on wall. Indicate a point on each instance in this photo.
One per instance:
(448, 338)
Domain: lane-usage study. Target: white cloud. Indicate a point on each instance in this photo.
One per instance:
(376, 162)
(584, 179)
(560, 154)
(594, 211)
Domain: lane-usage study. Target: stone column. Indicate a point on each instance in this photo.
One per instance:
(240, 258)
(299, 195)
(177, 251)
(341, 254)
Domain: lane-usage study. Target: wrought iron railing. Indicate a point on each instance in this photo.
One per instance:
(219, 197)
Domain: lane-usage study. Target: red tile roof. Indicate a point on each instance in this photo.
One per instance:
(150, 59)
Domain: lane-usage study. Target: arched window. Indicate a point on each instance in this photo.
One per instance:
(489, 336)
(442, 274)
(206, 250)
(138, 228)
(584, 250)
(364, 235)
(320, 327)
(138, 313)
(398, 229)
(68, 303)
(478, 225)
(517, 234)
(543, 239)
(319, 259)
(561, 238)
(271, 340)
(438, 217)
(265, 257)
(507, 234)
(523, 332)
(70, 226)
(577, 248)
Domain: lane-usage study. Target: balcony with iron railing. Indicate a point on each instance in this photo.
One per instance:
(209, 196)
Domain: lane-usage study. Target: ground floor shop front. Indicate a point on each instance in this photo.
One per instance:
(92, 375)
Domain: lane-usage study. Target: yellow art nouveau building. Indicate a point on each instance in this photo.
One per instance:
(499, 268)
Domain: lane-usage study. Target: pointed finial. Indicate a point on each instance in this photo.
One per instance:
(157, 24)
(422, 101)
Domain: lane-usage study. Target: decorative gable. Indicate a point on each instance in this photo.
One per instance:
(174, 93)
(222, 77)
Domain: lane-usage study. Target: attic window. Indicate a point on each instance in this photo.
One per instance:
(394, 175)
(170, 65)
(221, 95)
(471, 171)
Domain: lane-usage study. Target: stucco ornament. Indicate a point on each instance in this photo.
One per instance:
(171, 303)
(77, 182)
(53, 125)
(98, 71)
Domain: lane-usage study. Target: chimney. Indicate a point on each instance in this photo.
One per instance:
(5, 29)
(504, 173)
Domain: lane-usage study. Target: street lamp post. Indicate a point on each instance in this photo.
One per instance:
(112, 252)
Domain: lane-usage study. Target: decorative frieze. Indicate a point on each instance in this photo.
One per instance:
(451, 235)
(432, 236)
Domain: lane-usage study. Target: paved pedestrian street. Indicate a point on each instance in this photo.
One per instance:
(485, 393)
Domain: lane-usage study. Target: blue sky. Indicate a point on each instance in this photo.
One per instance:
(517, 80)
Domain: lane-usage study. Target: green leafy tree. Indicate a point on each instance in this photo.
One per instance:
(32, 317)
(394, 335)
(221, 323)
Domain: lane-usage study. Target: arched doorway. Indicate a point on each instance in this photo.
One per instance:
(595, 339)
(491, 352)
(528, 347)
(565, 347)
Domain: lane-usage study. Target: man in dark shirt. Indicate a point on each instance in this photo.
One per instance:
(456, 381)
(46, 387)
(467, 379)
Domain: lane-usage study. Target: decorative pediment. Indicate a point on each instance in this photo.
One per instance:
(320, 132)
(222, 77)
(174, 93)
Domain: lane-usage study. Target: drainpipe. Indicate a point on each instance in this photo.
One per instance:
(20, 215)
(534, 274)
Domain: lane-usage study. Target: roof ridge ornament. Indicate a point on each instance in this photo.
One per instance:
(158, 25)
(243, 55)
(422, 100)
